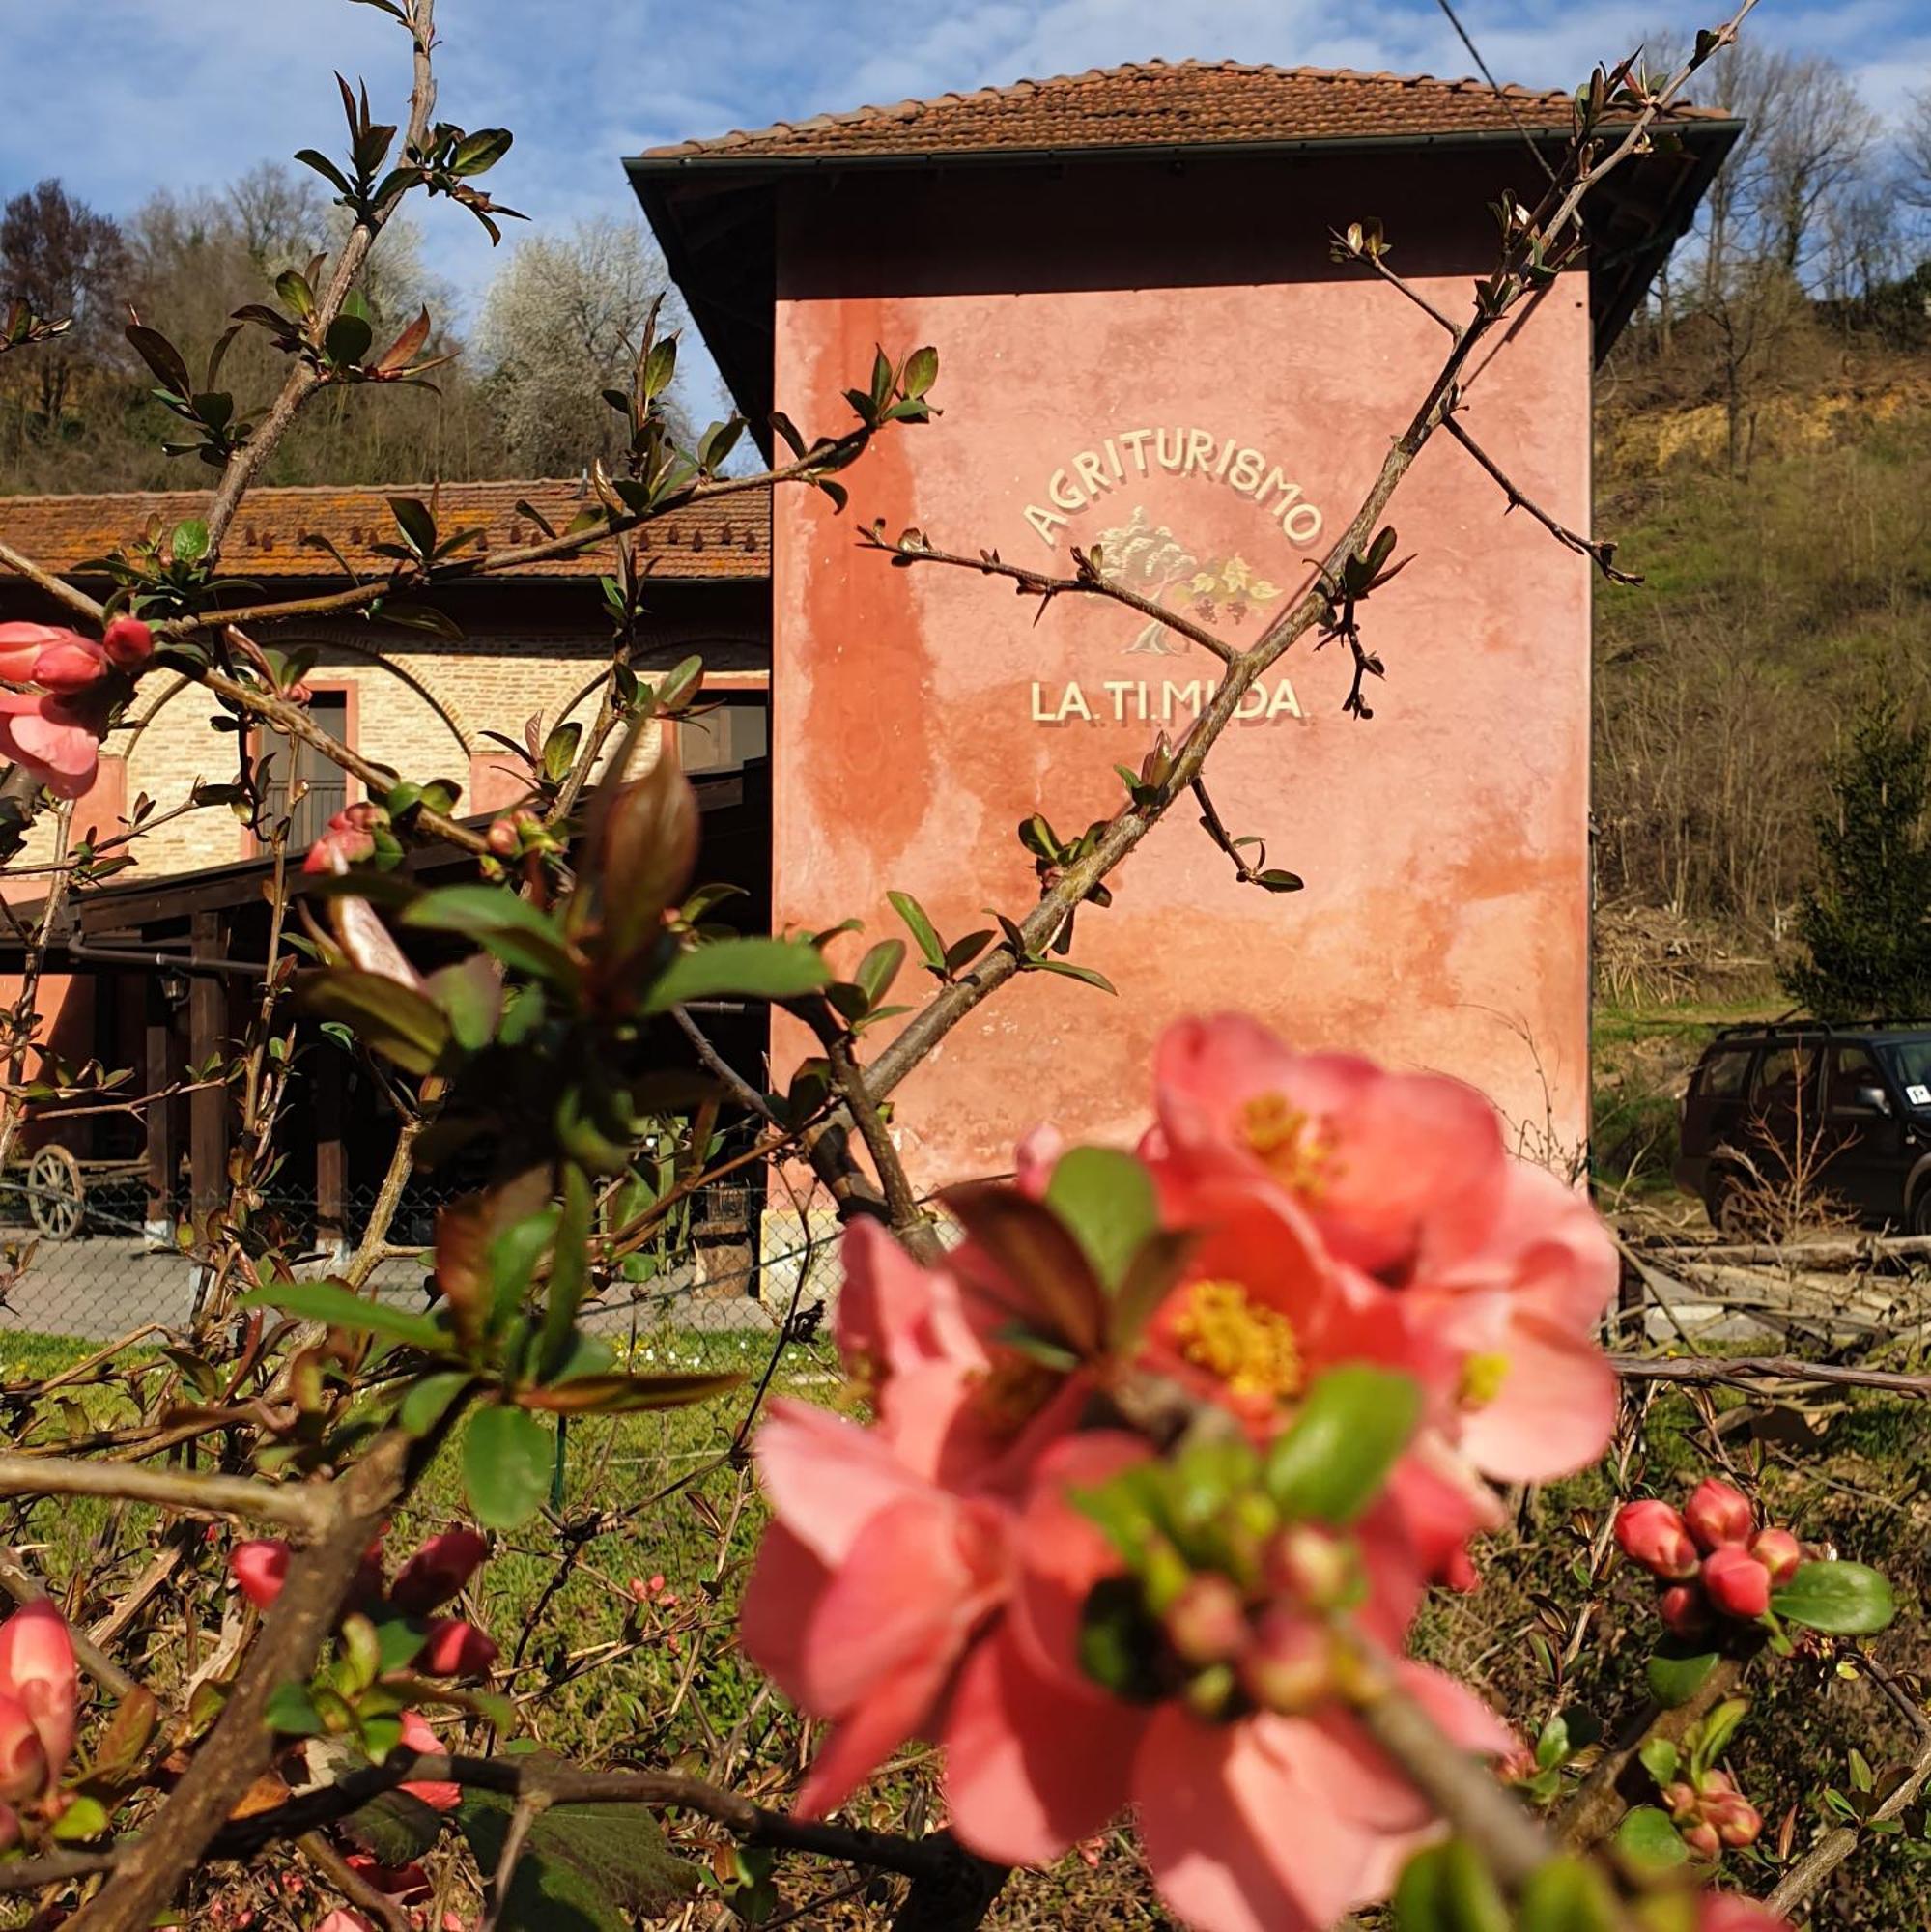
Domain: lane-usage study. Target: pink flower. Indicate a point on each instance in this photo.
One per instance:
(72, 664)
(342, 1919)
(866, 1591)
(1036, 1156)
(1503, 1270)
(1651, 1533)
(260, 1568)
(1736, 1582)
(38, 1689)
(1717, 1514)
(438, 1571)
(52, 737)
(1780, 1552)
(1285, 1817)
(419, 1737)
(21, 646)
(349, 838)
(396, 1881)
(1685, 1611)
(456, 1649)
(1726, 1912)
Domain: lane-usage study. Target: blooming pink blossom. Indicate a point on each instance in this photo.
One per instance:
(21, 646)
(1717, 1514)
(1504, 1270)
(1726, 1912)
(1653, 1534)
(260, 1568)
(438, 1571)
(1736, 1582)
(38, 1679)
(348, 839)
(866, 1590)
(456, 1649)
(439, 1796)
(53, 737)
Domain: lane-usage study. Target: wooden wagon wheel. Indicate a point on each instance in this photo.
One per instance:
(56, 1194)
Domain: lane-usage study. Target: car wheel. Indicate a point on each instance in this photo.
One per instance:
(1733, 1212)
(1921, 1210)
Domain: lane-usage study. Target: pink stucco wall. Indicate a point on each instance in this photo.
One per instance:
(1444, 842)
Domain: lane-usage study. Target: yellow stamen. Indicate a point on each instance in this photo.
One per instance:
(1247, 1344)
(1482, 1379)
(1294, 1146)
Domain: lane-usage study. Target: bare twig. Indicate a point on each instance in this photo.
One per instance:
(293, 1505)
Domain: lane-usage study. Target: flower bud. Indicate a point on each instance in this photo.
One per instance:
(456, 1649)
(1738, 1822)
(1207, 1623)
(128, 643)
(1289, 1667)
(1717, 1514)
(72, 664)
(438, 1571)
(1653, 1534)
(1312, 1566)
(260, 1568)
(1736, 1582)
(1702, 1839)
(503, 838)
(1683, 1609)
(24, 1764)
(1680, 1800)
(1780, 1552)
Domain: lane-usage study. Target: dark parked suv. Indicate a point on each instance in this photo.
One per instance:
(1847, 1107)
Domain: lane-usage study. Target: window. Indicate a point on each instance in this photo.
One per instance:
(1853, 1071)
(292, 762)
(723, 737)
(1783, 1075)
(1725, 1078)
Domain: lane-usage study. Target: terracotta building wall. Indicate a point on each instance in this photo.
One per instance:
(920, 714)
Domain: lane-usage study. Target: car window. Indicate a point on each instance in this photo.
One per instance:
(1785, 1073)
(1852, 1070)
(1725, 1076)
(1910, 1060)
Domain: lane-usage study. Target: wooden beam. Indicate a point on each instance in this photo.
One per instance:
(208, 1105)
(166, 1111)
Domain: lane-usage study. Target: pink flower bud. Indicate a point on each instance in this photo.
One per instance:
(456, 1649)
(1702, 1839)
(503, 838)
(437, 1572)
(24, 1764)
(128, 643)
(1312, 1566)
(260, 1568)
(1717, 1514)
(1289, 1667)
(1207, 1623)
(1652, 1534)
(1738, 1822)
(1780, 1552)
(1681, 1799)
(37, 1670)
(1736, 1582)
(1683, 1609)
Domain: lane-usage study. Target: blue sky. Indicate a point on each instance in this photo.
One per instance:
(120, 97)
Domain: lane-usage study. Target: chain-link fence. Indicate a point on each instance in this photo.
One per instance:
(87, 1263)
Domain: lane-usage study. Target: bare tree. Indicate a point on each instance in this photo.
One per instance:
(561, 324)
(1914, 171)
(66, 261)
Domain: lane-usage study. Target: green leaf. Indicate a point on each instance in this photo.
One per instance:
(520, 934)
(1041, 1255)
(1085, 974)
(569, 1273)
(1551, 1744)
(626, 1395)
(1661, 1759)
(922, 371)
(507, 1459)
(162, 357)
(1678, 1671)
(924, 934)
(85, 1817)
(291, 1711)
(428, 1400)
(347, 339)
(343, 1308)
(395, 1827)
(414, 519)
(1716, 1730)
(386, 1016)
(764, 969)
(1107, 1199)
(584, 1867)
(1566, 1894)
(1841, 1599)
(190, 542)
(478, 153)
(879, 967)
(1335, 1458)
(1648, 1839)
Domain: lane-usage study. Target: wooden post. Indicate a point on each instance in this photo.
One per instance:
(331, 1155)
(165, 1114)
(207, 1041)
